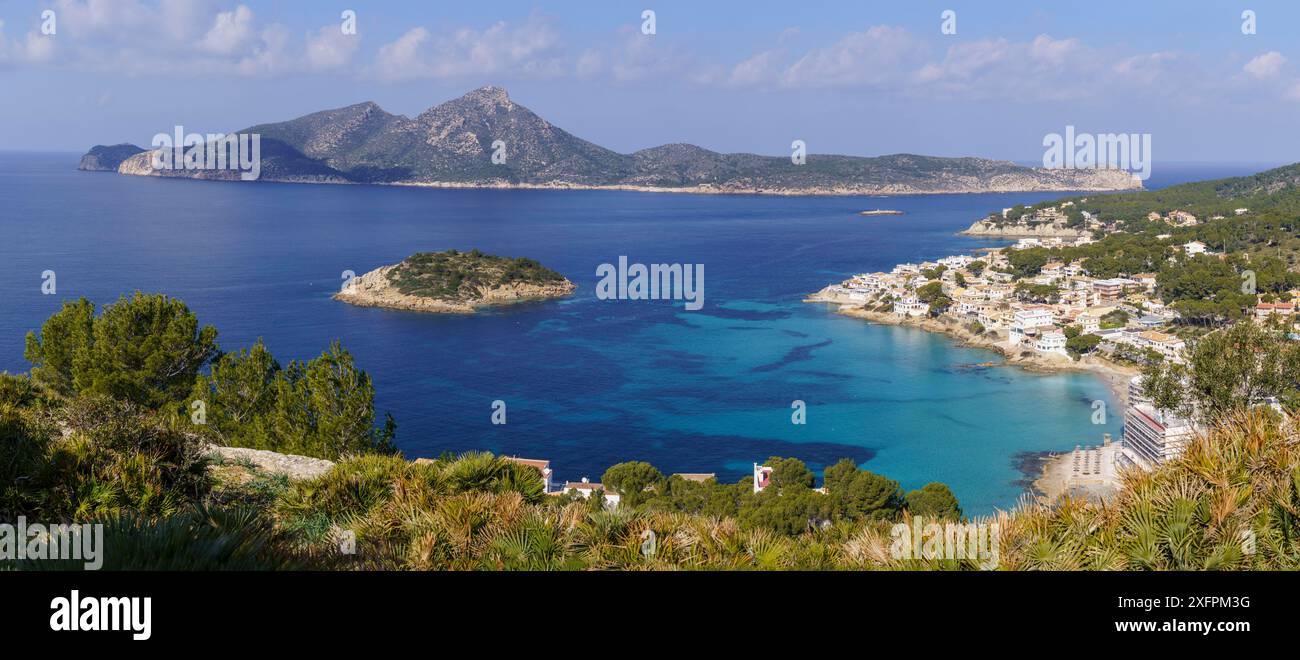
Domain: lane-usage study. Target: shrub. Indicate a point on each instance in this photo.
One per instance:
(146, 349)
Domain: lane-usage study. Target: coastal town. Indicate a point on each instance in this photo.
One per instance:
(1059, 316)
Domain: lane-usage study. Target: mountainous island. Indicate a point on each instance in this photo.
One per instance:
(454, 282)
(453, 144)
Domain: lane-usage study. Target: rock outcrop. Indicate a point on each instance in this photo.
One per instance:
(290, 465)
(1042, 230)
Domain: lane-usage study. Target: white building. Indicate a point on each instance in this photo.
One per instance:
(1088, 322)
(762, 477)
(1152, 436)
(586, 488)
(1052, 341)
(1194, 248)
(1168, 346)
(1027, 318)
(910, 305)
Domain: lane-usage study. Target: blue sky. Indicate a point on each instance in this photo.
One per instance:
(862, 78)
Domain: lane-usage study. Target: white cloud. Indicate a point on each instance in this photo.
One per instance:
(329, 49)
(231, 32)
(32, 49)
(1265, 67)
(637, 56)
(226, 37)
(1045, 68)
(881, 55)
(175, 38)
(762, 69)
(529, 50)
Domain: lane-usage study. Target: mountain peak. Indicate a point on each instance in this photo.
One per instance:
(485, 138)
(489, 94)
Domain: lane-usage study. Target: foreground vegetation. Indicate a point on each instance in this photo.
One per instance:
(104, 430)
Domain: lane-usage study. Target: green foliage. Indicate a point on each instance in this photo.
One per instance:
(1039, 293)
(145, 349)
(1027, 262)
(115, 457)
(934, 500)
(1228, 371)
(631, 480)
(860, 494)
(790, 511)
(197, 539)
(707, 499)
(976, 267)
(24, 443)
(789, 472)
(323, 408)
(458, 275)
(1082, 344)
(17, 391)
(1116, 318)
(932, 294)
(65, 350)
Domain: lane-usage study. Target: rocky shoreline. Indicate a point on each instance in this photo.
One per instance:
(132, 169)
(986, 228)
(374, 289)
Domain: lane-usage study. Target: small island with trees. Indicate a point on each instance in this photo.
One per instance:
(455, 282)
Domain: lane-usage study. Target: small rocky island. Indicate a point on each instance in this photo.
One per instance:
(454, 282)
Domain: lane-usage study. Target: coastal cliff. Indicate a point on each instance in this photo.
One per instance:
(103, 158)
(986, 228)
(485, 139)
(454, 283)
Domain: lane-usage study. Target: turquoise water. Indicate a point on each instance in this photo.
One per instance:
(587, 382)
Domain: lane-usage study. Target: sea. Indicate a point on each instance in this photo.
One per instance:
(584, 382)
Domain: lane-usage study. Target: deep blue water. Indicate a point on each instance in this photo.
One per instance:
(587, 382)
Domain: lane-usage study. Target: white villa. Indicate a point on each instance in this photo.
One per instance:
(1167, 345)
(586, 488)
(1028, 318)
(910, 305)
(1051, 341)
